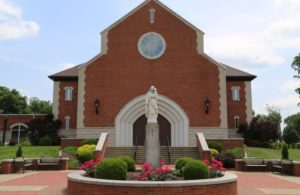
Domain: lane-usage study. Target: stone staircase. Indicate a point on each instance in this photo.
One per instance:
(175, 153)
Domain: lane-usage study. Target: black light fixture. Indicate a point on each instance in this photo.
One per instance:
(97, 105)
(207, 105)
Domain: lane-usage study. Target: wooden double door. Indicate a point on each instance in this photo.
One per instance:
(139, 130)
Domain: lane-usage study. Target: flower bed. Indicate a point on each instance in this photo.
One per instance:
(79, 184)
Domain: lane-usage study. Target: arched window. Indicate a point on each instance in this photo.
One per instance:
(67, 122)
(236, 122)
(18, 132)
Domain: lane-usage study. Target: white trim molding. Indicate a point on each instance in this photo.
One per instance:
(223, 98)
(166, 107)
(81, 100)
(18, 124)
(249, 110)
(55, 105)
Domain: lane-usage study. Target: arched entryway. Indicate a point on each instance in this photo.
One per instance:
(139, 130)
(18, 132)
(169, 109)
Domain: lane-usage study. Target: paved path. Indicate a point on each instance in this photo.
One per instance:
(55, 182)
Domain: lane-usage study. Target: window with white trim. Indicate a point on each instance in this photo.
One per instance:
(235, 93)
(152, 15)
(67, 122)
(236, 122)
(68, 93)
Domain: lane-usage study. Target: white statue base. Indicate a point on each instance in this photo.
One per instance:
(152, 146)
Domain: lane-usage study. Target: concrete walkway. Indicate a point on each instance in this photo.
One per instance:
(55, 182)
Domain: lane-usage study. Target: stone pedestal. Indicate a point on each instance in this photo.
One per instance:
(152, 146)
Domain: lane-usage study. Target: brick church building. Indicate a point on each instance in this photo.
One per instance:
(152, 45)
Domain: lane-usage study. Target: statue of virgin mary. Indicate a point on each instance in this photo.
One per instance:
(151, 105)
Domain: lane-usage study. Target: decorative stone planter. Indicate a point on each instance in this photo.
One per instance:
(78, 184)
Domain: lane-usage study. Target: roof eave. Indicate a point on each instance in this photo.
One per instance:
(240, 78)
(63, 78)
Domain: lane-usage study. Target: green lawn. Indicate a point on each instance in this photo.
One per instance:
(266, 153)
(7, 152)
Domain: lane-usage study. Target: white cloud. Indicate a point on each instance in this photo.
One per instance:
(288, 104)
(291, 4)
(290, 85)
(12, 25)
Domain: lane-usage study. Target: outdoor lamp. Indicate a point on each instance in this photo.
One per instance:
(97, 105)
(207, 104)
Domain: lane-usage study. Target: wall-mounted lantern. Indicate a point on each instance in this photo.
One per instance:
(207, 105)
(97, 105)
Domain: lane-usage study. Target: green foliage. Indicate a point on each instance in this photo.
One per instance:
(40, 127)
(293, 122)
(45, 141)
(86, 148)
(89, 142)
(74, 164)
(296, 67)
(85, 156)
(25, 143)
(215, 145)
(37, 106)
(129, 161)
(181, 162)
(290, 136)
(285, 152)
(70, 150)
(19, 152)
(111, 168)
(195, 169)
(213, 152)
(237, 152)
(11, 101)
(227, 158)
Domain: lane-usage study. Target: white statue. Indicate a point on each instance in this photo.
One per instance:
(151, 105)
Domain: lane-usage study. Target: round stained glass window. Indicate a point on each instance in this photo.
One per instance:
(152, 45)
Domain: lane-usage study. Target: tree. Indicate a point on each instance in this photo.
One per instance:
(11, 101)
(296, 67)
(37, 106)
(40, 127)
(293, 122)
(290, 136)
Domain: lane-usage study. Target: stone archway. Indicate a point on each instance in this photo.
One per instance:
(166, 107)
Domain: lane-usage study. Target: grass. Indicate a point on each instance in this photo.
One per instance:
(70, 150)
(8, 152)
(267, 153)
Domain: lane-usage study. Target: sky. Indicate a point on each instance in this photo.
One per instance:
(40, 38)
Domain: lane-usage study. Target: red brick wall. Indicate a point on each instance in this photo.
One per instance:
(75, 188)
(236, 108)
(13, 119)
(229, 143)
(65, 142)
(68, 108)
(123, 74)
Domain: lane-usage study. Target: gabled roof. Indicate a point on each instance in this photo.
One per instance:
(232, 74)
(159, 3)
(70, 74)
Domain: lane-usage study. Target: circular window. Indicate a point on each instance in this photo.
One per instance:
(152, 45)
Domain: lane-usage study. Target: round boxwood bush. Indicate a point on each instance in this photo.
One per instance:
(86, 148)
(129, 161)
(111, 168)
(45, 141)
(195, 169)
(181, 162)
(215, 145)
(85, 156)
(213, 152)
(227, 158)
(89, 142)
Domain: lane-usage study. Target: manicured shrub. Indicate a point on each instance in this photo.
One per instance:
(213, 152)
(237, 152)
(285, 152)
(86, 148)
(45, 141)
(111, 168)
(227, 158)
(85, 156)
(19, 152)
(195, 169)
(215, 145)
(181, 162)
(89, 142)
(129, 161)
